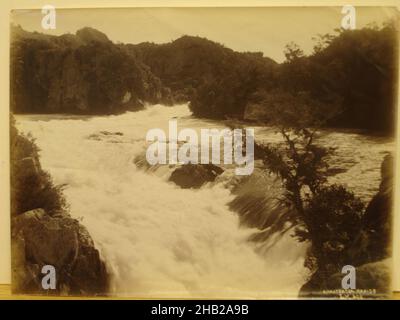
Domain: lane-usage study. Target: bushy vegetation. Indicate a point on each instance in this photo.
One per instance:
(332, 223)
(83, 73)
(353, 71)
(327, 216)
(31, 186)
(215, 79)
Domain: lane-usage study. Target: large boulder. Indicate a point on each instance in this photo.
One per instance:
(62, 242)
(195, 175)
(373, 242)
(372, 280)
(377, 219)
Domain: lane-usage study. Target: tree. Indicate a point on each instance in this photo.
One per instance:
(326, 216)
(293, 52)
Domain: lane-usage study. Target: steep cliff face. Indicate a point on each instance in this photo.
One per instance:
(82, 73)
(375, 237)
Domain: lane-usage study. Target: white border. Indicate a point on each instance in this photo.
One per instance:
(7, 5)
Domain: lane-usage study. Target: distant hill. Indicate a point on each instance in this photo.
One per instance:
(353, 72)
(190, 65)
(82, 73)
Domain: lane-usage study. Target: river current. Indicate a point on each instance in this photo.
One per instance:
(159, 240)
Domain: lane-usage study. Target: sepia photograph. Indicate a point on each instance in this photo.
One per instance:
(203, 152)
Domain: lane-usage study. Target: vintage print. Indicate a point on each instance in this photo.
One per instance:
(203, 152)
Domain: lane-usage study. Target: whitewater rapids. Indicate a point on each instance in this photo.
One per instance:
(157, 239)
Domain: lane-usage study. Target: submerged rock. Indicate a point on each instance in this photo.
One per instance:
(195, 175)
(60, 241)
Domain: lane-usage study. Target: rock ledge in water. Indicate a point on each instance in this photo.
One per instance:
(195, 175)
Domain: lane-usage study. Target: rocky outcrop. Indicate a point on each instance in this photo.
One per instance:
(62, 242)
(84, 73)
(377, 219)
(372, 280)
(43, 233)
(373, 276)
(195, 175)
(373, 242)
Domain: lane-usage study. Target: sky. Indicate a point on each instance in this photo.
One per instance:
(265, 30)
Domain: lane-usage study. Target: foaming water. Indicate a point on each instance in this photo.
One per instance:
(162, 241)
(356, 157)
(158, 240)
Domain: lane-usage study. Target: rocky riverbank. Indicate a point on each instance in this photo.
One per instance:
(43, 233)
(39, 239)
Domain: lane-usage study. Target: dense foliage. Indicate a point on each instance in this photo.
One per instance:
(31, 186)
(82, 73)
(327, 216)
(351, 71)
(216, 80)
(356, 70)
(333, 223)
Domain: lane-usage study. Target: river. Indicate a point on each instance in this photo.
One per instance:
(159, 240)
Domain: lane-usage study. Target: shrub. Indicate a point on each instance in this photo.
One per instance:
(31, 186)
(332, 221)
